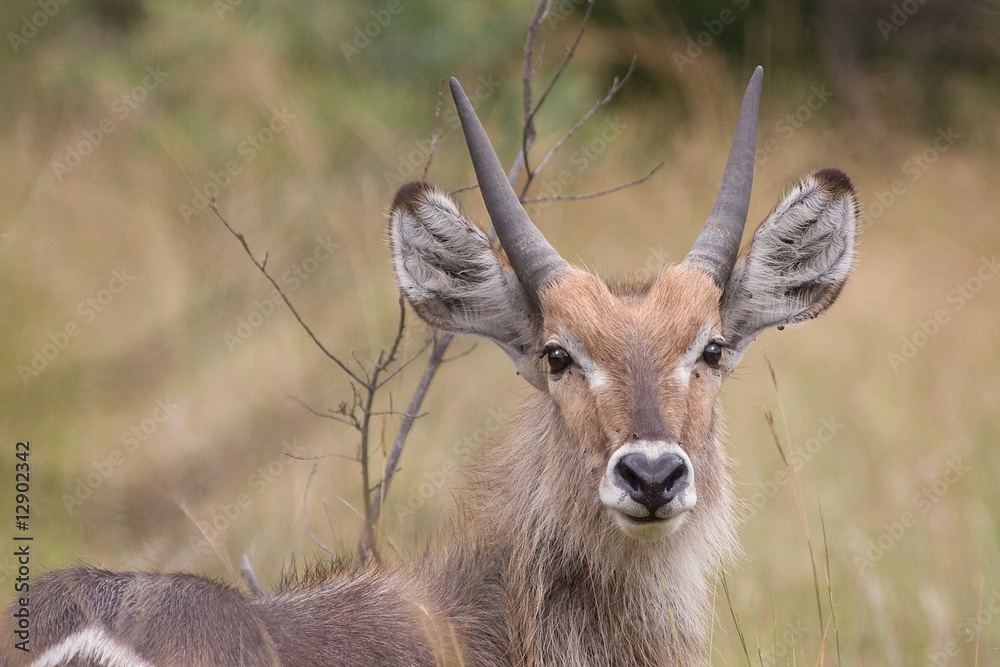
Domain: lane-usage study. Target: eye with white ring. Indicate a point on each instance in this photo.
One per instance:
(558, 358)
(712, 354)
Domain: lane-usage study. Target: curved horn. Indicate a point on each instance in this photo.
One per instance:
(718, 243)
(534, 261)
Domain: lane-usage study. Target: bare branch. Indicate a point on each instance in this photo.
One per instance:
(434, 134)
(403, 365)
(528, 133)
(464, 188)
(433, 363)
(263, 269)
(530, 120)
(592, 195)
(616, 85)
(460, 354)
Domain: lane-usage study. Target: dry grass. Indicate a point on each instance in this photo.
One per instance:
(163, 338)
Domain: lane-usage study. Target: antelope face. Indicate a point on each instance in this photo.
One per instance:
(634, 371)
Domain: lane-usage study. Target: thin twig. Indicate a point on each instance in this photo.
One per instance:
(320, 457)
(616, 85)
(529, 122)
(434, 134)
(433, 363)
(350, 421)
(385, 360)
(460, 354)
(263, 269)
(396, 413)
(466, 188)
(592, 195)
(528, 133)
(402, 366)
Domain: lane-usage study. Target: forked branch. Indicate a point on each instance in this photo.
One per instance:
(262, 267)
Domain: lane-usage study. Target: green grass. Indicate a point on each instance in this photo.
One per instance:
(891, 430)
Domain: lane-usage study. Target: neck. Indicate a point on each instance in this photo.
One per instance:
(578, 590)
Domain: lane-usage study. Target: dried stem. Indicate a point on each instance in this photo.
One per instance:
(250, 578)
(262, 266)
(434, 134)
(392, 462)
(529, 120)
(616, 85)
(305, 516)
(591, 195)
(366, 544)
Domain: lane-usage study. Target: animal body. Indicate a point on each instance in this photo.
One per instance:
(592, 528)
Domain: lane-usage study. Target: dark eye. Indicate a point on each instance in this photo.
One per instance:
(712, 354)
(559, 358)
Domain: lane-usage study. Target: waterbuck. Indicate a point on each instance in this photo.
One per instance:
(591, 529)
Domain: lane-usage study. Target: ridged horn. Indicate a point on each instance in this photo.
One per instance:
(534, 261)
(715, 250)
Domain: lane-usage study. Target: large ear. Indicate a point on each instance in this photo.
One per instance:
(452, 277)
(798, 261)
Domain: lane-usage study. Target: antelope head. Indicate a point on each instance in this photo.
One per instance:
(633, 371)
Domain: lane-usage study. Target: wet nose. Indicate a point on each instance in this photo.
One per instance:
(652, 482)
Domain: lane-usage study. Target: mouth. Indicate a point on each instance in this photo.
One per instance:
(650, 527)
(641, 520)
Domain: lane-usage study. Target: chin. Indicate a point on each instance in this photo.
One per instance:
(646, 530)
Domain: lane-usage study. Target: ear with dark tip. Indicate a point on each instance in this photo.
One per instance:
(534, 261)
(798, 261)
(718, 243)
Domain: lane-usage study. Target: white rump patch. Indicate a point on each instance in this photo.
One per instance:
(90, 644)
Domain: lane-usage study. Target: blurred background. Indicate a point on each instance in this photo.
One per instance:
(161, 386)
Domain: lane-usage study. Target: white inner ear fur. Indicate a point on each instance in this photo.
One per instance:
(798, 261)
(449, 272)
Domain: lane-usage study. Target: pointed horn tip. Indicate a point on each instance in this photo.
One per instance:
(756, 83)
(456, 88)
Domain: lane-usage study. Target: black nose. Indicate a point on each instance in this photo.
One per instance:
(652, 482)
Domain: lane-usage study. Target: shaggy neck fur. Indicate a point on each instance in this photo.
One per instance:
(575, 590)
